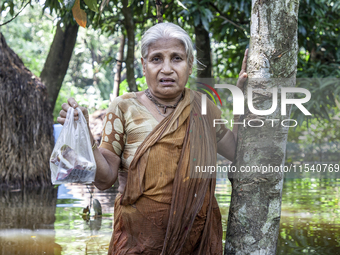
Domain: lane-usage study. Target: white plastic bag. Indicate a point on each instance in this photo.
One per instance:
(72, 159)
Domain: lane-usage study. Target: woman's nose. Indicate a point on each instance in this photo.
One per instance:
(167, 67)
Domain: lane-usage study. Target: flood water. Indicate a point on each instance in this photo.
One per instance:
(51, 220)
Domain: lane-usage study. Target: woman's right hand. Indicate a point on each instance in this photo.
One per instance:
(71, 103)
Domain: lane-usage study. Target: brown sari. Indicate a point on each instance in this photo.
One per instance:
(189, 221)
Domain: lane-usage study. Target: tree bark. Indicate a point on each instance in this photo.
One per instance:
(203, 51)
(58, 58)
(120, 57)
(159, 11)
(130, 57)
(255, 210)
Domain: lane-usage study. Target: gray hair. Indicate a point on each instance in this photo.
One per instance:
(167, 30)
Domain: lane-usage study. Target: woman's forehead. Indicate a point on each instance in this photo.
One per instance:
(167, 45)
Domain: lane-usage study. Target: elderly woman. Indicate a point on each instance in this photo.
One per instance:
(152, 140)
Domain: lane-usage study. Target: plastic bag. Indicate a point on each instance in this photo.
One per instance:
(72, 159)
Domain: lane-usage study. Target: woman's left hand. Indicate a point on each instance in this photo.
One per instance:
(243, 75)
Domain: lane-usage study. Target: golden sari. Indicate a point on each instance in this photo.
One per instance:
(180, 216)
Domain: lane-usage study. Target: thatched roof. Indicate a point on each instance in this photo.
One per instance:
(26, 124)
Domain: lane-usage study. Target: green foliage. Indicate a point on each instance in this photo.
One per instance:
(324, 92)
(141, 84)
(30, 36)
(197, 12)
(63, 8)
(92, 4)
(12, 6)
(315, 140)
(320, 38)
(88, 97)
(93, 61)
(319, 55)
(68, 4)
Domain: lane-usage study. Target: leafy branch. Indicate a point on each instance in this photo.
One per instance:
(226, 19)
(16, 15)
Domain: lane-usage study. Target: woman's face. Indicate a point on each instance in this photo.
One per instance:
(166, 68)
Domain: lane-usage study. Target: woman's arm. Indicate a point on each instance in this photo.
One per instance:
(107, 162)
(107, 167)
(227, 145)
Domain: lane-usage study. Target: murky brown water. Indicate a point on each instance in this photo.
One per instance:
(51, 221)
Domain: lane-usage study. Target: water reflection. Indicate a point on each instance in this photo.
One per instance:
(27, 219)
(310, 215)
(63, 220)
(310, 221)
(308, 238)
(79, 231)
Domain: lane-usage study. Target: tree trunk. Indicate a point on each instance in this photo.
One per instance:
(203, 51)
(120, 57)
(95, 59)
(58, 58)
(159, 11)
(255, 210)
(130, 57)
(26, 124)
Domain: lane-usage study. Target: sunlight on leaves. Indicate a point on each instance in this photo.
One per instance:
(182, 5)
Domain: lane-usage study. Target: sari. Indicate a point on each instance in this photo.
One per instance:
(190, 221)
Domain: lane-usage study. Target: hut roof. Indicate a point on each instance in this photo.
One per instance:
(26, 124)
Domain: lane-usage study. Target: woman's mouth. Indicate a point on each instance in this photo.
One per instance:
(167, 81)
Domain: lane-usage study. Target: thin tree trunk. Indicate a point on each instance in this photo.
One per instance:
(203, 51)
(130, 57)
(159, 11)
(95, 59)
(255, 210)
(58, 58)
(120, 57)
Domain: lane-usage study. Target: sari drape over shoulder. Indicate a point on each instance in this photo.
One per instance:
(187, 220)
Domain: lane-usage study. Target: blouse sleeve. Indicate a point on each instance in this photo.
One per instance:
(113, 134)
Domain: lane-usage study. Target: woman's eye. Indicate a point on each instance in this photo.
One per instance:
(177, 58)
(155, 59)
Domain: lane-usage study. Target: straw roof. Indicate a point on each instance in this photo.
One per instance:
(26, 124)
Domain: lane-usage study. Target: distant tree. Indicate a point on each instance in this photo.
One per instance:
(129, 25)
(118, 68)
